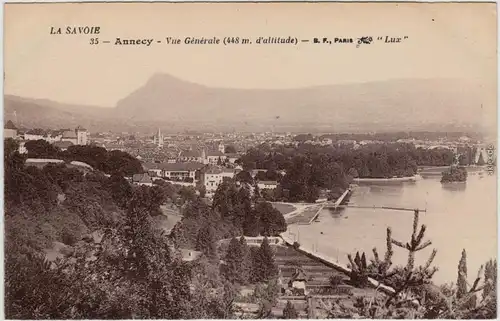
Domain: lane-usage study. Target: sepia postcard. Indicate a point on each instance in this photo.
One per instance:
(250, 160)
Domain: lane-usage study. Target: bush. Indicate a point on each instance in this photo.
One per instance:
(289, 311)
(335, 280)
(68, 238)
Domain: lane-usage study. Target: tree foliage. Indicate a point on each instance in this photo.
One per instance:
(110, 162)
(253, 217)
(310, 168)
(454, 174)
(264, 265)
(289, 311)
(131, 271)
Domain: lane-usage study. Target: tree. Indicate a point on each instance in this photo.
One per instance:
(272, 222)
(303, 137)
(462, 276)
(353, 172)
(41, 149)
(490, 276)
(454, 174)
(251, 225)
(230, 149)
(187, 193)
(206, 242)
(121, 190)
(202, 190)
(233, 261)
(480, 161)
(265, 267)
(256, 192)
(246, 263)
(244, 177)
(289, 311)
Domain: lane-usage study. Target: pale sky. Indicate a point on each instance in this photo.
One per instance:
(447, 40)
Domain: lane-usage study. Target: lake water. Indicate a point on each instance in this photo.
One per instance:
(458, 217)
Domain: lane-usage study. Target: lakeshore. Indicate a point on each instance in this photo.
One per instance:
(413, 178)
(306, 213)
(348, 230)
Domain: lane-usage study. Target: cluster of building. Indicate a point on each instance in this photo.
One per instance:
(62, 138)
(194, 174)
(191, 159)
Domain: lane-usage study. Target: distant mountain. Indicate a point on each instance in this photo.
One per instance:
(168, 102)
(43, 113)
(394, 103)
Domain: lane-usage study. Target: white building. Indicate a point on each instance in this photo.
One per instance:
(82, 136)
(215, 158)
(212, 177)
(267, 184)
(326, 142)
(174, 171)
(34, 135)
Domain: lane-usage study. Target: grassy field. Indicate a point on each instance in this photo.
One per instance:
(304, 217)
(284, 208)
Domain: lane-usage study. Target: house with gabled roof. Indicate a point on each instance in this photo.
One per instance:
(9, 130)
(298, 282)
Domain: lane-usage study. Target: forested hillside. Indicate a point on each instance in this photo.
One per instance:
(113, 260)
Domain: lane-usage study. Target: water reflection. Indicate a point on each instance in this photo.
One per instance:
(455, 187)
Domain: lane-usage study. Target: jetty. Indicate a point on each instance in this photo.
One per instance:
(381, 207)
(333, 205)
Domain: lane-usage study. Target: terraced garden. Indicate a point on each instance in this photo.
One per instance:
(318, 274)
(289, 259)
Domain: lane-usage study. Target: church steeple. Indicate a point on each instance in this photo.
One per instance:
(159, 138)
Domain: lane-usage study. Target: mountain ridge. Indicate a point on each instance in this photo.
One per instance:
(165, 99)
